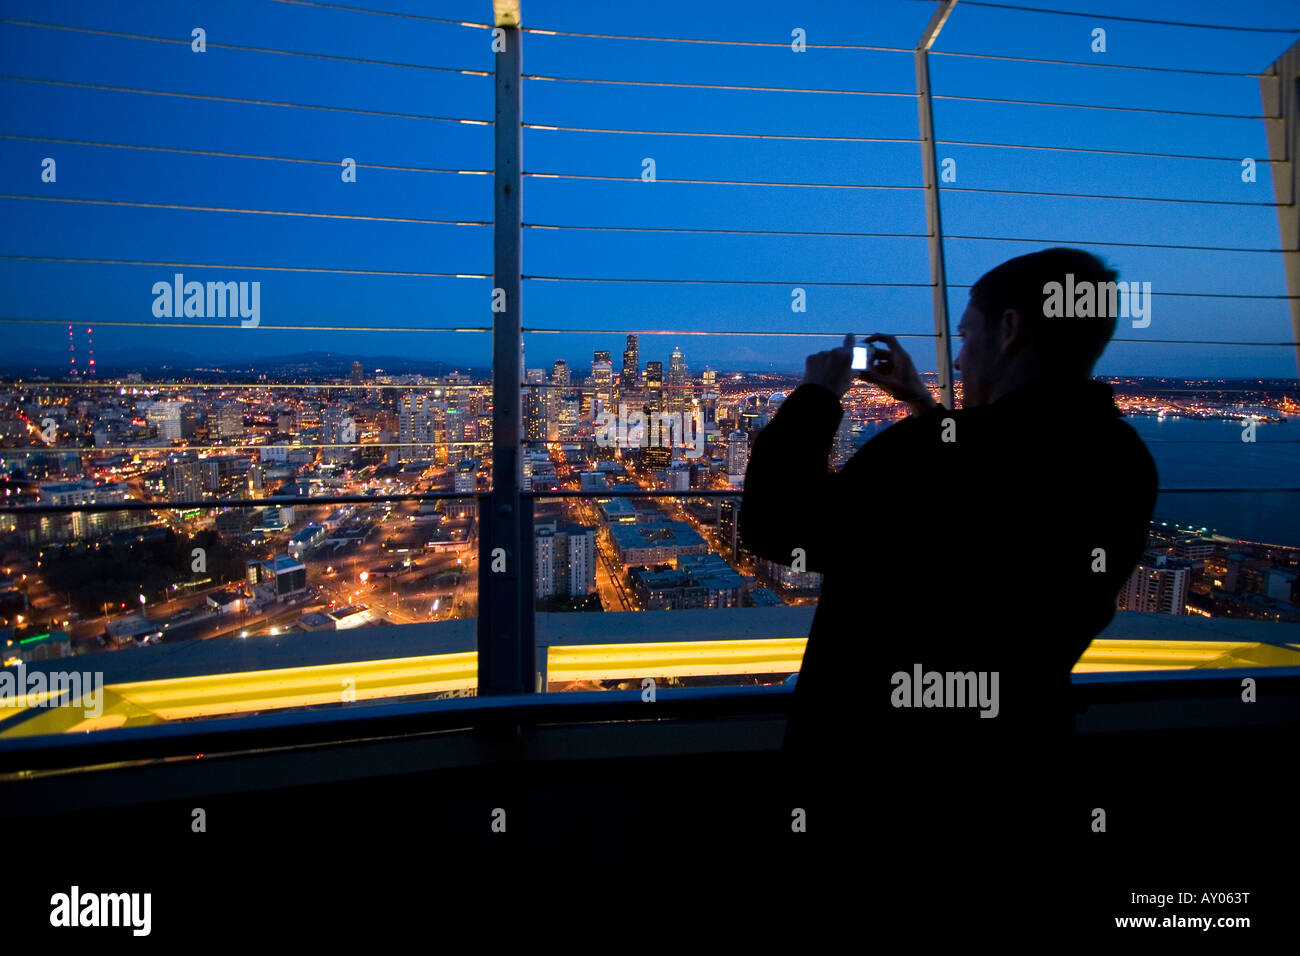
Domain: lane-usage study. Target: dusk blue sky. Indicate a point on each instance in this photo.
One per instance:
(306, 145)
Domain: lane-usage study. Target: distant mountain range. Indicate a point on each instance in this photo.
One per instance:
(120, 361)
(176, 364)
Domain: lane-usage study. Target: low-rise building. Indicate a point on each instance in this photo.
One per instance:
(308, 539)
(39, 647)
(338, 619)
(698, 581)
(655, 543)
(133, 629)
(226, 602)
(280, 578)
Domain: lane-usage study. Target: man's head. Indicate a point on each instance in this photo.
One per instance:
(1008, 339)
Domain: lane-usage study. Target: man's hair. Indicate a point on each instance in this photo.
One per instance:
(1075, 343)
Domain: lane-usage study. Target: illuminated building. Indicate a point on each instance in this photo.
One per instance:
(1159, 584)
(564, 559)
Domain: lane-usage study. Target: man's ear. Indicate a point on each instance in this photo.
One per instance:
(1012, 333)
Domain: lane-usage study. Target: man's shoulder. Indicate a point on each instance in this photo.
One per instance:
(1072, 423)
(809, 396)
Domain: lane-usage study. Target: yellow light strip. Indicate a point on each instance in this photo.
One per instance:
(242, 692)
(677, 659)
(1125, 655)
(249, 691)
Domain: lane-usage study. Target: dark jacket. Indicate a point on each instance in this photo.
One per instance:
(977, 554)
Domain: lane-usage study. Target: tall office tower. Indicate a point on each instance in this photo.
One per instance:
(737, 457)
(555, 396)
(567, 417)
(561, 375)
(336, 429)
(458, 388)
(183, 479)
(456, 399)
(534, 405)
(545, 547)
(416, 427)
(356, 376)
(709, 396)
(1159, 584)
(655, 457)
(629, 379)
(438, 409)
(602, 383)
(456, 429)
(654, 386)
(729, 527)
(230, 422)
(677, 397)
(173, 420)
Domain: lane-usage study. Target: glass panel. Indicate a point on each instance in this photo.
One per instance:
(162, 615)
(266, 281)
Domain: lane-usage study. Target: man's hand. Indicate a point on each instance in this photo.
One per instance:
(833, 369)
(900, 380)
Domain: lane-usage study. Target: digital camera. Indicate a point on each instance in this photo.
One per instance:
(878, 359)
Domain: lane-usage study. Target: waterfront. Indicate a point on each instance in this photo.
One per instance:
(1192, 453)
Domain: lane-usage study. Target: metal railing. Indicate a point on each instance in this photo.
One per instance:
(506, 638)
(1105, 704)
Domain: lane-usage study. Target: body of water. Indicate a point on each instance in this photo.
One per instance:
(1192, 453)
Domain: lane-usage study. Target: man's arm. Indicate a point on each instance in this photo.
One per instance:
(923, 405)
(792, 500)
(791, 496)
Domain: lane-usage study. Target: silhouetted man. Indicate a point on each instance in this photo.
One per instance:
(987, 542)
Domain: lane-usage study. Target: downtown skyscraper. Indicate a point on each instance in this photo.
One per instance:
(602, 381)
(629, 379)
(678, 399)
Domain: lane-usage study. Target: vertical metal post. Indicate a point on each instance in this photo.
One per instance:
(1279, 89)
(934, 222)
(506, 655)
